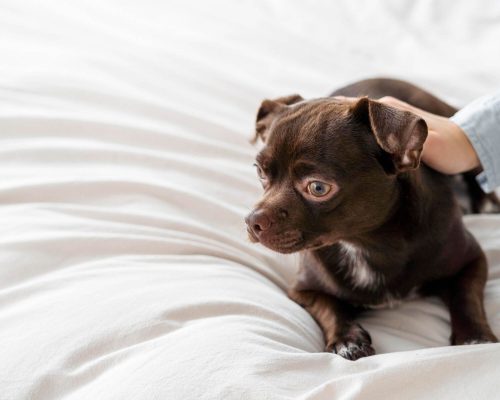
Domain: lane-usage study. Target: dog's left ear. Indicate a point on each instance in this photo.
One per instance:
(268, 110)
(400, 133)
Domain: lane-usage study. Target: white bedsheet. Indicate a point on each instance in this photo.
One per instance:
(125, 174)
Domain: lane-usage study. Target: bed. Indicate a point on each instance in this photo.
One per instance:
(126, 172)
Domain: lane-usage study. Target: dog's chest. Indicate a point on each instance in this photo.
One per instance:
(348, 275)
(353, 262)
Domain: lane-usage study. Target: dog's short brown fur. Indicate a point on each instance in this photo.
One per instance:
(344, 186)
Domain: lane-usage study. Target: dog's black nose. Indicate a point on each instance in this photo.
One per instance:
(258, 221)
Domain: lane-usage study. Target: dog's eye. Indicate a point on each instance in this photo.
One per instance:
(262, 176)
(318, 189)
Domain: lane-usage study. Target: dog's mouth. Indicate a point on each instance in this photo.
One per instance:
(284, 242)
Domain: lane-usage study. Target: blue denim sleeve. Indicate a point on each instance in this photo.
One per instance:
(480, 120)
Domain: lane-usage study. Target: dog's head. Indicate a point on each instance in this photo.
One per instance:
(329, 169)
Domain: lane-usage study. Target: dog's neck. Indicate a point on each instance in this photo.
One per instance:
(410, 203)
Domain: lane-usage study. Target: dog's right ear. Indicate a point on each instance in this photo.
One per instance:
(268, 110)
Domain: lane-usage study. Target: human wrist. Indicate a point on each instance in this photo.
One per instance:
(465, 152)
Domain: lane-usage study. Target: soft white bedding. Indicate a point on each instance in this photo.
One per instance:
(125, 174)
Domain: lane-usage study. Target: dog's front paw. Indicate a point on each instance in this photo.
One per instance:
(354, 344)
(479, 338)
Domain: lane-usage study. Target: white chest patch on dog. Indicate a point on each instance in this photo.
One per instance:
(361, 274)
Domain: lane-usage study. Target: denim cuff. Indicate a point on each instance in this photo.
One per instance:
(480, 120)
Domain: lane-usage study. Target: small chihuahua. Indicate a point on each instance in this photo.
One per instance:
(343, 185)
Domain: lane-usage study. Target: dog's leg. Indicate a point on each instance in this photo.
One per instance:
(480, 202)
(342, 335)
(463, 294)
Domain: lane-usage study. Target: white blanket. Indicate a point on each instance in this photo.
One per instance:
(125, 174)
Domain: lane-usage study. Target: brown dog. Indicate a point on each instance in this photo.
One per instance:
(343, 186)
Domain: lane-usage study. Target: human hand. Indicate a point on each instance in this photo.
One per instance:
(447, 148)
